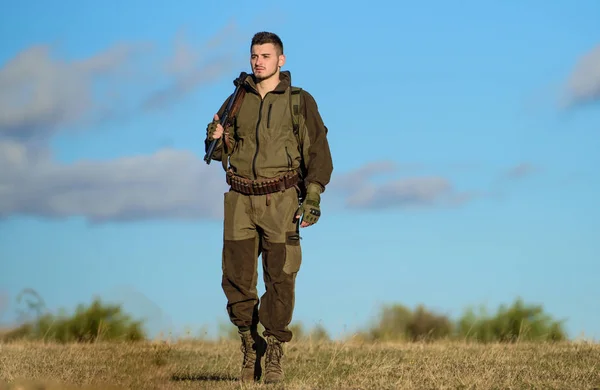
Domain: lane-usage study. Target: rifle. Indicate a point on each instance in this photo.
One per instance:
(229, 113)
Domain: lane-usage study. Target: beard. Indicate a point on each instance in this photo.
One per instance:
(265, 76)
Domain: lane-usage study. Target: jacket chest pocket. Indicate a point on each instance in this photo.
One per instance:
(275, 116)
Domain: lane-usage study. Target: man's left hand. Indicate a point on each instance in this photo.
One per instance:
(310, 210)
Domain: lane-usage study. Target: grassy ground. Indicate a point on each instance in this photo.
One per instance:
(215, 365)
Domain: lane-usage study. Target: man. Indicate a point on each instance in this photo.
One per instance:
(265, 219)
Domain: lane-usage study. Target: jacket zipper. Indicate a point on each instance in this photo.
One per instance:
(256, 152)
(269, 116)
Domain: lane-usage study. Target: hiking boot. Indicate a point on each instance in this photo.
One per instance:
(253, 348)
(274, 355)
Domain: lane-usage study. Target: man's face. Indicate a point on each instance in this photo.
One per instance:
(264, 60)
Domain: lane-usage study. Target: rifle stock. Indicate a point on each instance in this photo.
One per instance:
(225, 118)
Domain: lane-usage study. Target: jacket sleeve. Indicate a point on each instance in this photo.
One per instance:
(315, 148)
(219, 147)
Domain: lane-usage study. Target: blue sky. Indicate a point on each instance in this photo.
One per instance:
(469, 135)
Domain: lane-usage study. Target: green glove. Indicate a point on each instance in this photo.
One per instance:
(210, 129)
(226, 135)
(310, 210)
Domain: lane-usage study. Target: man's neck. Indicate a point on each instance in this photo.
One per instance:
(267, 85)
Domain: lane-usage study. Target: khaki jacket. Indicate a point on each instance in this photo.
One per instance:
(263, 141)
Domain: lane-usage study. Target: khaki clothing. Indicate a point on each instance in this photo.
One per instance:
(264, 142)
(252, 228)
(264, 146)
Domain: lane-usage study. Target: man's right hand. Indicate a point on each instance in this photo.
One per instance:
(214, 130)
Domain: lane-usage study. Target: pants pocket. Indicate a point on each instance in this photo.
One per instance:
(293, 253)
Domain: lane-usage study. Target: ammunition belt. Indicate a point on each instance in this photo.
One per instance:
(264, 186)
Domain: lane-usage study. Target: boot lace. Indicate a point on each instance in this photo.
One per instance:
(274, 353)
(246, 349)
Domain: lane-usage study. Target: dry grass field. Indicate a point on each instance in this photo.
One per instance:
(322, 365)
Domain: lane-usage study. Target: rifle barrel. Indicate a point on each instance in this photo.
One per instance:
(225, 117)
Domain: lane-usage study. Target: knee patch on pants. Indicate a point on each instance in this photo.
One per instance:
(293, 253)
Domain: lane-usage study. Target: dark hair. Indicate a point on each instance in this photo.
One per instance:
(263, 37)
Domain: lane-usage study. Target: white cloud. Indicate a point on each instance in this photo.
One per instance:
(168, 184)
(361, 191)
(583, 85)
(41, 95)
(420, 191)
(190, 66)
(521, 170)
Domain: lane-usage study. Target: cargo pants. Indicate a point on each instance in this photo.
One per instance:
(255, 225)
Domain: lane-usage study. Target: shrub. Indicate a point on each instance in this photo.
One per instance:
(97, 322)
(318, 334)
(425, 325)
(392, 324)
(397, 322)
(519, 322)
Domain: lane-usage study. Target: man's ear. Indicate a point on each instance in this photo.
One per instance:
(281, 60)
